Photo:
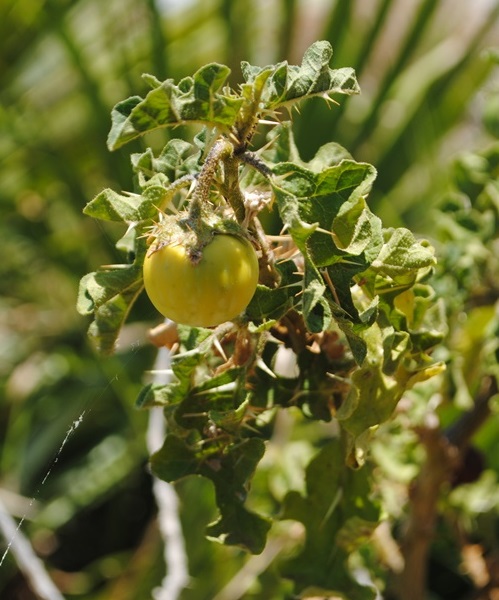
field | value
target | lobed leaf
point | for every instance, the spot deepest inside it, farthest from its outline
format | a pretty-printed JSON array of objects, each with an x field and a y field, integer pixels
[
  {"x": 109, "y": 294},
  {"x": 402, "y": 255},
  {"x": 273, "y": 303},
  {"x": 176, "y": 159},
  {"x": 230, "y": 470},
  {"x": 128, "y": 208},
  {"x": 196, "y": 98},
  {"x": 100, "y": 287},
  {"x": 327, "y": 216},
  {"x": 283, "y": 83},
  {"x": 337, "y": 500}
]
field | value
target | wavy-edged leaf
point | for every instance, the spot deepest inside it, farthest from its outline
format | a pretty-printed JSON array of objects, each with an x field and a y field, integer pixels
[
  {"x": 337, "y": 501},
  {"x": 286, "y": 83},
  {"x": 196, "y": 99},
  {"x": 109, "y": 294},
  {"x": 176, "y": 159},
  {"x": 403, "y": 256},
  {"x": 328, "y": 219},
  {"x": 128, "y": 208},
  {"x": 231, "y": 471},
  {"x": 273, "y": 303}
]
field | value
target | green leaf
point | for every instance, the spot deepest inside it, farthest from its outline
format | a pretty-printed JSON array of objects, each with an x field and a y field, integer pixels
[
  {"x": 316, "y": 308},
  {"x": 312, "y": 205},
  {"x": 179, "y": 391},
  {"x": 98, "y": 288},
  {"x": 238, "y": 526},
  {"x": 196, "y": 99},
  {"x": 202, "y": 410},
  {"x": 402, "y": 255},
  {"x": 373, "y": 395},
  {"x": 357, "y": 230},
  {"x": 230, "y": 470},
  {"x": 121, "y": 129},
  {"x": 328, "y": 155},
  {"x": 128, "y": 208},
  {"x": 284, "y": 84},
  {"x": 395, "y": 346},
  {"x": 153, "y": 395},
  {"x": 110, "y": 317},
  {"x": 109, "y": 294},
  {"x": 281, "y": 146},
  {"x": 183, "y": 367},
  {"x": 175, "y": 460},
  {"x": 371, "y": 401},
  {"x": 326, "y": 207},
  {"x": 273, "y": 303},
  {"x": 337, "y": 501},
  {"x": 177, "y": 158}
]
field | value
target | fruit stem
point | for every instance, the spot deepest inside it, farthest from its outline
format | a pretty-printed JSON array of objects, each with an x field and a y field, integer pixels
[{"x": 221, "y": 150}]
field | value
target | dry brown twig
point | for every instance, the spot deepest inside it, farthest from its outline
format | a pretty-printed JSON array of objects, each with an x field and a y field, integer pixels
[{"x": 444, "y": 452}]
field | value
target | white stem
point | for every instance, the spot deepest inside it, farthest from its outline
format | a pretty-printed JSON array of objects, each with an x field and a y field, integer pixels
[
  {"x": 246, "y": 576},
  {"x": 28, "y": 562},
  {"x": 177, "y": 575}
]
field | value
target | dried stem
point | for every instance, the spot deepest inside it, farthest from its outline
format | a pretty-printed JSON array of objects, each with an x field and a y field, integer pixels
[
  {"x": 28, "y": 562},
  {"x": 444, "y": 449},
  {"x": 177, "y": 576},
  {"x": 420, "y": 527}
]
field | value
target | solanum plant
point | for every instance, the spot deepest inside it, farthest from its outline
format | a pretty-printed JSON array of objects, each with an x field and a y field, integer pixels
[{"x": 343, "y": 301}]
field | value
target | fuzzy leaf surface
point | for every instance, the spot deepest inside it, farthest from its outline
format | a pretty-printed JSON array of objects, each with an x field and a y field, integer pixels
[
  {"x": 197, "y": 98},
  {"x": 127, "y": 208},
  {"x": 336, "y": 499},
  {"x": 109, "y": 294},
  {"x": 328, "y": 219},
  {"x": 230, "y": 471},
  {"x": 284, "y": 83}
]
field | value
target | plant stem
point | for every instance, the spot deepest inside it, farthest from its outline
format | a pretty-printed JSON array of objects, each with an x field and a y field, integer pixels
[
  {"x": 444, "y": 450},
  {"x": 232, "y": 191},
  {"x": 221, "y": 151},
  {"x": 177, "y": 576},
  {"x": 423, "y": 513},
  {"x": 27, "y": 561},
  {"x": 256, "y": 162},
  {"x": 269, "y": 275}
]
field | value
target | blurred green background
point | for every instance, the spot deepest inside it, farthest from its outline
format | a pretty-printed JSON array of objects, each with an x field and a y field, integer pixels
[{"x": 425, "y": 75}]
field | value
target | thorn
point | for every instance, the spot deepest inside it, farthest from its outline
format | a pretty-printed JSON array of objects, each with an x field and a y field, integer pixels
[
  {"x": 330, "y": 284},
  {"x": 218, "y": 346},
  {"x": 328, "y": 99},
  {"x": 261, "y": 364},
  {"x": 267, "y": 122}
]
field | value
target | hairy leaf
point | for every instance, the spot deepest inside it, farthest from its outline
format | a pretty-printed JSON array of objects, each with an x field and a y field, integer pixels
[
  {"x": 128, "y": 208},
  {"x": 312, "y": 204},
  {"x": 230, "y": 470},
  {"x": 273, "y": 303},
  {"x": 196, "y": 98},
  {"x": 178, "y": 158},
  {"x": 402, "y": 255},
  {"x": 337, "y": 499},
  {"x": 109, "y": 294},
  {"x": 283, "y": 84}
]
